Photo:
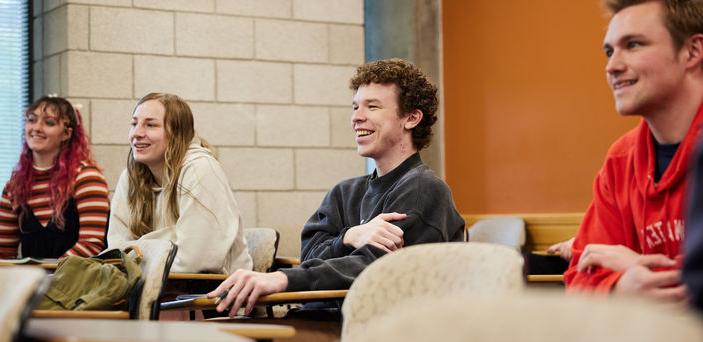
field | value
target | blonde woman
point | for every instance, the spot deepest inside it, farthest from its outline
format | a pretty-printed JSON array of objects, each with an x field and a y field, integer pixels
[{"x": 175, "y": 189}]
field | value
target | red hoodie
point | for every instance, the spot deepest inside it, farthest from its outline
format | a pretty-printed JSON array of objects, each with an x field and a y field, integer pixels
[{"x": 630, "y": 209}]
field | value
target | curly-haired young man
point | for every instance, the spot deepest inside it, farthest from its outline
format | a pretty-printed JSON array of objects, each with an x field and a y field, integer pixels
[
  {"x": 401, "y": 203},
  {"x": 630, "y": 238}
]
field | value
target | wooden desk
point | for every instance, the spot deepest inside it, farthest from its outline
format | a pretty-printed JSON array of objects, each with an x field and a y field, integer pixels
[
  {"x": 541, "y": 229},
  {"x": 91, "y": 314},
  {"x": 545, "y": 278},
  {"x": 46, "y": 266},
  {"x": 276, "y": 298},
  {"x": 79, "y": 330}
]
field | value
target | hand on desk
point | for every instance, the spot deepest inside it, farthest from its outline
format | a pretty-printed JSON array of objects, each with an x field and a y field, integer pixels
[
  {"x": 378, "y": 232},
  {"x": 245, "y": 287},
  {"x": 562, "y": 248}
]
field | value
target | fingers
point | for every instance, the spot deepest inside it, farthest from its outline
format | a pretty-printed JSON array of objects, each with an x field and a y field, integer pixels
[
  {"x": 379, "y": 246},
  {"x": 554, "y": 248},
  {"x": 589, "y": 260},
  {"x": 220, "y": 289},
  {"x": 231, "y": 295},
  {"x": 656, "y": 260},
  {"x": 396, "y": 240},
  {"x": 566, "y": 253},
  {"x": 392, "y": 216},
  {"x": 241, "y": 297},
  {"x": 664, "y": 279},
  {"x": 670, "y": 294},
  {"x": 253, "y": 297},
  {"x": 393, "y": 229}
]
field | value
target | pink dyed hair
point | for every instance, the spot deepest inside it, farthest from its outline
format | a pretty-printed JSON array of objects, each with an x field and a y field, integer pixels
[{"x": 73, "y": 152}]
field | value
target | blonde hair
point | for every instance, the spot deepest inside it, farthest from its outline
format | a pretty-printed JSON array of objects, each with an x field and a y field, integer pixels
[{"x": 180, "y": 131}]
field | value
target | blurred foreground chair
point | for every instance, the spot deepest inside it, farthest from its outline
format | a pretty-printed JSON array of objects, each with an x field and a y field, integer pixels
[
  {"x": 262, "y": 244},
  {"x": 21, "y": 289},
  {"x": 157, "y": 257},
  {"x": 437, "y": 270},
  {"x": 534, "y": 316},
  {"x": 507, "y": 231}
]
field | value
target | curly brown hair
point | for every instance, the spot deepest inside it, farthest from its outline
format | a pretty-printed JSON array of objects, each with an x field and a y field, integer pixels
[
  {"x": 683, "y": 18},
  {"x": 414, "y": 92}
]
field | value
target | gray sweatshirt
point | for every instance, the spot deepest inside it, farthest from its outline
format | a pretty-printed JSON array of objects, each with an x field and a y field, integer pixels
[{"x": 411, "y": 188}]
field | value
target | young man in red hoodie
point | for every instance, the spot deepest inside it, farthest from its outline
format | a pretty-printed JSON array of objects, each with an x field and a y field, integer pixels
[{"x": 630, "y": 238}]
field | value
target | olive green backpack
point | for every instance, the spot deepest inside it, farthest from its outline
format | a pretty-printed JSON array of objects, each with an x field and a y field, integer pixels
[{"x": 103, "y": 282}]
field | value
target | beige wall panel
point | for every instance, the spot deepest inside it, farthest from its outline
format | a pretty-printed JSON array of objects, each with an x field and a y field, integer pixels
[
  {"x": 190, "y": 78},
  {"x": 291, "y": 41},
  {"x": 258, "y": 168},
  {"x": 131, "y": 30},
  {"x": 346, "y": 44},
  {"x": 322, "y": 169},
  {"x": 341, "y": 133},
  {"x": 343, "y": 11},
  {"x": 112, "y": 159},
  {"x": 287, "y": 212},
  {"x": 292, "y": 126},
  {"x": 214, "y": 36},
  {"x": 256, "y": 8},
  {"x": 225, "y": 124},
  {"x": 178, "y": 5},
  {"x": 91, "y": 74},
  {"x": 111, "y": 121},
  {"x": 244, "y": 81},
  {"x": 247, "y": 207},
  {"x": 323, "y": 84},
  {"x": 52, "y": 75}
]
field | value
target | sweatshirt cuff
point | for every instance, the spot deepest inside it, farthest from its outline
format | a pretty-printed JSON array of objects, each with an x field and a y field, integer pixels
[
  {"x": 297, "y": 279},
  {"x": 338, "y": 247}
]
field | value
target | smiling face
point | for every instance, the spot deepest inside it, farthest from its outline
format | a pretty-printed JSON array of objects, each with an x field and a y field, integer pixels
[
  {"x": 381, "y": 133},
  {"x": 45, "y": 131},
  {"x": 644, "y": 69},
  {"x": 147, "y": 135}
]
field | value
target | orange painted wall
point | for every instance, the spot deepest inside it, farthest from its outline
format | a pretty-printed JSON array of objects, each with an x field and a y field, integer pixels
[{"x": 528, "y": 113}]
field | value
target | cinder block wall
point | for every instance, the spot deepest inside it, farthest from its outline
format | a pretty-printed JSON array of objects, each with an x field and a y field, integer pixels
[{"x": 267, "y": 81}]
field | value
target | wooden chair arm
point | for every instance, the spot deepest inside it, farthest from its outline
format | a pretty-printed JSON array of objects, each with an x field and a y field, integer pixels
[
  {"x": 94, "y": 314},
  {"x": 286, "y": 262}
]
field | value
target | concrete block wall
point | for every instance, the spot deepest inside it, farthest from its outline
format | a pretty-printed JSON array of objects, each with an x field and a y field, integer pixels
[{"x": 267, "y": 81}]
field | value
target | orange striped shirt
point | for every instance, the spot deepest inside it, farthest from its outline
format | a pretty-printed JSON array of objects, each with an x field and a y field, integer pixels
[{"x": 91, "y": 197}]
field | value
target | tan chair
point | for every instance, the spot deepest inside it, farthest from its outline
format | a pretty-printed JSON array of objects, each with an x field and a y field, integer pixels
[
  {"x": 21, "y": 288},
  {"x": 507, "y": 231},
  {"x": 535, "y": 317},
  {"x": 157, "y": 257},
  {"x": 262, "y": 244},
  {"x": 429, "y": 270}
]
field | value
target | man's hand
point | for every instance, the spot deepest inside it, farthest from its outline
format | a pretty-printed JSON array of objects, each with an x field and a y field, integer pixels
[
  {"x": 245, "y": 287},
  {"x": 563, "y": 248},
  {"x": 619, "y": 258},
  {"x": 377, "y": 232},
  {"x": 663, "y": 285}
]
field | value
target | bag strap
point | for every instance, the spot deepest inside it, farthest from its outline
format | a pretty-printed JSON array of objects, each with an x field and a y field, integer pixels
[{"x": 135, "y": 249}]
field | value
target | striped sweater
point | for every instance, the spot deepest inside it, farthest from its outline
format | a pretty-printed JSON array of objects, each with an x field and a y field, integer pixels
[{"x": 91, "y": 197}]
